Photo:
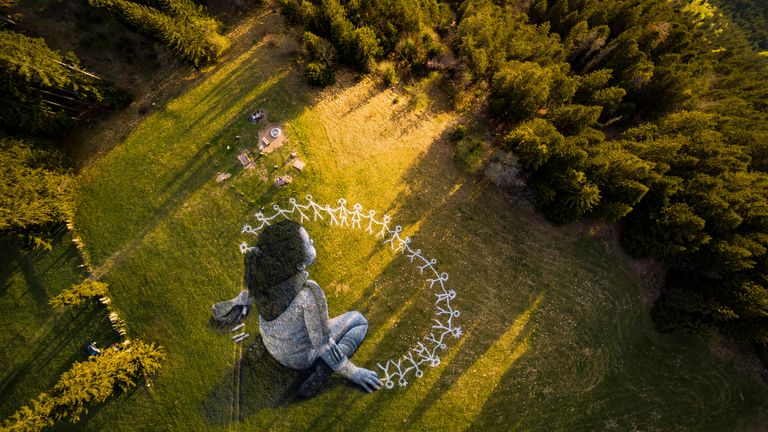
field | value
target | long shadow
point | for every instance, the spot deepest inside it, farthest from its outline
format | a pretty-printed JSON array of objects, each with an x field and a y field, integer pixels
[
  {"x": 196, "y": 172},
  {"x": 379, "y": 305},
  {"x": 94, "y": 409},
  {"x": 263, "y": 385},
  {"x": 70, "y": 257},
  {"x": 273, "y": 387},
  {"x": 245, "y": 73},
  {"x": 61, "y": 338},
  {"x": 9, "y": 264},
  {"x": 14, "y": 257},
  {"x": 36, "y": 288},
  {"x": 237, "y": 85},
  {"x": 432, "y": 164}
]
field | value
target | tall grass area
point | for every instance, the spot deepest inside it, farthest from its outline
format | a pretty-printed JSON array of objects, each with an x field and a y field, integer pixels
[{"x": 557, "y": 334}]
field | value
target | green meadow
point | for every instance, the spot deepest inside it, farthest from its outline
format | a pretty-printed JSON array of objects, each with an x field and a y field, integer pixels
[{"x": 557, "y": 334}]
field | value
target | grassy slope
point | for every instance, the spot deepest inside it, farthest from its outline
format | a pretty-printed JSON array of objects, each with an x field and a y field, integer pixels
[
  {"x": 39, "y": 343},
  {"x": 557, "y": 334}
]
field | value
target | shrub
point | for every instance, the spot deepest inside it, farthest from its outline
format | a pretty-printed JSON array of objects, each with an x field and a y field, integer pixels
[
  {"x": 388, "y": 75},
  {"x": 469, "y": 155},
  {"x": 458, "y": 134},
  {"x": 364, "y": 48},
  {"x": 79, "y": 294},
  {"x": 318, "y": 48},
  {"x": 504, "y": 170},
  {"x": 319, "y": 74}
]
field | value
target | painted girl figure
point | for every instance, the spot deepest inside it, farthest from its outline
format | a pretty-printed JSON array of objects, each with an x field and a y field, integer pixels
[{"x": 293, "y": 312}]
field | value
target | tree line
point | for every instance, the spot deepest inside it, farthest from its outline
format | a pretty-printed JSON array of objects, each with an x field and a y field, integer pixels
[
  {"x": 358, "y": 34},
  {"x": 44, "y": 93},
  {"x": 182, "y": 25},
  {"x": 683, "y": 97},
  {"x": 119, "y": 367},
  {"x": 86, "y": 383},
  {"x": 646, "y": 112}
]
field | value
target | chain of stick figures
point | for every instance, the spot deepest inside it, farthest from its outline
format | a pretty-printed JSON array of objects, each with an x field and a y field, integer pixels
[{"x": 425, "y": 353}]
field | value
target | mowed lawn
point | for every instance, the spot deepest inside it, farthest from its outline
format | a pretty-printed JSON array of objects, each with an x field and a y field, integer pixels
[{"x": 556, "y": 328}]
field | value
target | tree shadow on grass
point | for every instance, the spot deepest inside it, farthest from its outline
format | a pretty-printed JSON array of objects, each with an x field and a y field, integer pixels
[
  {"x": 397, "y": 295},
  {"x": 245, "y": 87},
  {"x": 36, "y": 288},
  {"x": 9, "y": 264},
  {"x": 198, "y": 170},
  {"x": 47, "y": 358},
  {"x": 450, "y": 207},
  {"x": 94, "y": 409},
  {"x": 70, "y": 257}
]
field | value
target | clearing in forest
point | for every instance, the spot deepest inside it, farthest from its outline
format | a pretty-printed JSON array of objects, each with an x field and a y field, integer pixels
[{"x": 556, "y": 332}]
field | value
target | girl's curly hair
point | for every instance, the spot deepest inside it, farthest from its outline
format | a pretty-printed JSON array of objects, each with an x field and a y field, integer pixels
[{"x": 278, "y": 254}]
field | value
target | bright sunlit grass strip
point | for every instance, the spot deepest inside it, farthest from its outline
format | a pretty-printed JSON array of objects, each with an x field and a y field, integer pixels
[{"x": 471, "y": 391}]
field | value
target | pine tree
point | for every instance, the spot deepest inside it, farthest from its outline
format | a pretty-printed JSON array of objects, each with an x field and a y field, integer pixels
[
  {"x": 87, "y": 383},
  {"x": 29, "y": 67},
  {"x": 34, "y": 191},
  {"x": 190, "y": 32},
  {"x": 533, "y": 142},
  {"x": 519, "y": 90},
  {"x": 80, "y": 293}
]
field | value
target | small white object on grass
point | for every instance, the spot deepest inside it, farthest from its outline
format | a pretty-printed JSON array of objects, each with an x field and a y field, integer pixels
[
  {"x": 228, "y": 147},
  {"x": 237, "y": 336},
  {"x": 237, "y": 327},
  {"x": 242, "y": 338}
]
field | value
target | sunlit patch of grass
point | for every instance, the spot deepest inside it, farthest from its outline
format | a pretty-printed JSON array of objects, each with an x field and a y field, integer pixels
[{"x": 471, "y": 391}]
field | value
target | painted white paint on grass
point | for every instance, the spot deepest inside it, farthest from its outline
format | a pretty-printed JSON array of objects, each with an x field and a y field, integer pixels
[{"x": 395, "y": 371}]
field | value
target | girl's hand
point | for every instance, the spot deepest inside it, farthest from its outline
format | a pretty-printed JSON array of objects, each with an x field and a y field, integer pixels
[{"x": 366, "y": 379}]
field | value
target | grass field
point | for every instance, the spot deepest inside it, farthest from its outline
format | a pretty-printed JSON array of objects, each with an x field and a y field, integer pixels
[{"x": 557, "y": 334}]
